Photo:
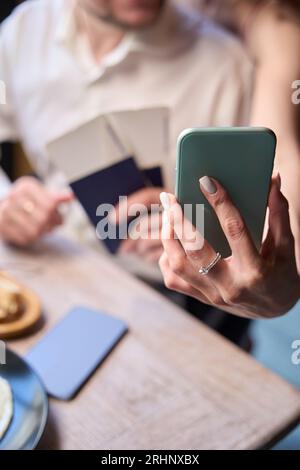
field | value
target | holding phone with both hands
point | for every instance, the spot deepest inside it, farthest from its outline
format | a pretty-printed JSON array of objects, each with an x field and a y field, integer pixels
[{"x": 242, "y": 160}]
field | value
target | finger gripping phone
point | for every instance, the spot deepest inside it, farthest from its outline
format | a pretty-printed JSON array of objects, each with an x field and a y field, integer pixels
[{"x": 242, "y": 160}]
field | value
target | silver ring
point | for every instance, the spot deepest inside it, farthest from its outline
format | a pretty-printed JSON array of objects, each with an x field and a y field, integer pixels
[{"x": 204, "y": 270}]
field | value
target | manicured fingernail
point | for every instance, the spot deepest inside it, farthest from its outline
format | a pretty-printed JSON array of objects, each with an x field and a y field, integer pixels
[
  {"x": 165, "y": 219},
  {"x": 208, "y": 185},
  {"x": 164, "y": 199}
]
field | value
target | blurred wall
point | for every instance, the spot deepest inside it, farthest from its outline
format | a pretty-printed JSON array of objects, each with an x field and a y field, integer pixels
[
  {"x": 6, "y": 149},
  {"x": 13, "y": 159}
]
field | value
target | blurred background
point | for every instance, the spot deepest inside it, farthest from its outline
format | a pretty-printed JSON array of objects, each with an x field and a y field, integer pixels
[{"x": 13, "y": 159}]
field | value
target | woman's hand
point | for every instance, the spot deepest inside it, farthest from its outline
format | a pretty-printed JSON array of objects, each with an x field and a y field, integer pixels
[{"x": 249, "y": 284}]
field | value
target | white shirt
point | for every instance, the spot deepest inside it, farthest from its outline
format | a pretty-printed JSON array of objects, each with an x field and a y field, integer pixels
[{"x": 53, "y": 84}]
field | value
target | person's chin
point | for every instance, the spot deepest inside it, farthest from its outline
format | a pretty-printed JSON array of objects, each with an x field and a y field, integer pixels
[{"x": 139, "y": 20}]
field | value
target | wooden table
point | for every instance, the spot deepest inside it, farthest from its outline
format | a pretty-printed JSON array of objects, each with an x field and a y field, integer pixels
[{"x": 170, "y": 384}]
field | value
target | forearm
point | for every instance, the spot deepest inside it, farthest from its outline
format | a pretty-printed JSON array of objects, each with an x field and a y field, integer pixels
[
  {"x": 289, "y": 170},
  {"x": 273, "y": 108}
]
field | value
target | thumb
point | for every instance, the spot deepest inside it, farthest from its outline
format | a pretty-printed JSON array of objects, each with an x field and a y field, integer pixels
[
  {"x": 62, "y": 197},
  {"x": 144, "y": 197}
]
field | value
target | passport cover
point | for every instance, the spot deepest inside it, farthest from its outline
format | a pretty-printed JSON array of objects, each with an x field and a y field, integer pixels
[{"x": 68, "y": 354}]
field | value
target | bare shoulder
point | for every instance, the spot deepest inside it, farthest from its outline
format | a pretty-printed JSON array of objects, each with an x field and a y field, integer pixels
[{"x": 274, "y": 36}]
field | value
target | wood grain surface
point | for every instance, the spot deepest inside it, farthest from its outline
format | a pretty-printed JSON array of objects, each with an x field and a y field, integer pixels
[{"x": 170, "y": 384}]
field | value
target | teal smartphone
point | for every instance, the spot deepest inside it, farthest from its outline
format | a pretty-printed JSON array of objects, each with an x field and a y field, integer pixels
[{"x": 242, "y": 160}]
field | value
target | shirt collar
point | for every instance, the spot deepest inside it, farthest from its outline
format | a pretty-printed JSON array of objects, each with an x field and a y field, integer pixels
[
  {"x": 66, "y": 27},
  {"x": 170, "y": 32}
]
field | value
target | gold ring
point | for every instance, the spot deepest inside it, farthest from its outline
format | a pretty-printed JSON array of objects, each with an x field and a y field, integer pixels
[{"x": 28, "y": 207}]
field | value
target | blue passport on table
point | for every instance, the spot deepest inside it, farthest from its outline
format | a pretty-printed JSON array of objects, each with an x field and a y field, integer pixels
[{"x": 67, "y": 356}]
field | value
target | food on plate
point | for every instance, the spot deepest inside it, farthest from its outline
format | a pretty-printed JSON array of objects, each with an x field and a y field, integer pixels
[
  {"x": 6, "y": 406},
  {"x": 11, "y": 305}
]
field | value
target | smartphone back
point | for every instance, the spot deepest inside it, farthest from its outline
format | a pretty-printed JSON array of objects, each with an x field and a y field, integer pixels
[{"x": 241, "y": 159}]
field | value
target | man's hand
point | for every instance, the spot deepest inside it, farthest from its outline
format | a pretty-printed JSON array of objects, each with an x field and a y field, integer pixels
[
  {"x": 30, "y": 211},
  {"x": 148, "y": 245},
  {"x": 249, "y": 283}
]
